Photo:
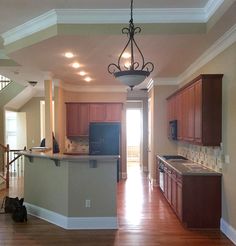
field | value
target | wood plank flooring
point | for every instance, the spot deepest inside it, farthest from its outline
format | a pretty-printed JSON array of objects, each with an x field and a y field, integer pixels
[{"x": 145, "y": 219}]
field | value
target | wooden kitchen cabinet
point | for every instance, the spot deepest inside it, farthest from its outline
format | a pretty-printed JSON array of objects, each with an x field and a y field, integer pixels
[
  {"x": 79, "y": 115},
  {"x": 179, "y": 197},
  {"x": 97, "y": 112},
  {"x": 113, "y": 112},
  {"x": 195, "y": 198},
  {"x": 105, "y": 112},
  {"x": 77, "y": 119},
  {"x": 179, "y": 115},
  {"x": 171, "y": 109},
  {"x": 198, "y": 110},
  {"x": 174, "y": 191},
  {"x": 189, "y": 113},
  {"x": 72, "y": 116}
]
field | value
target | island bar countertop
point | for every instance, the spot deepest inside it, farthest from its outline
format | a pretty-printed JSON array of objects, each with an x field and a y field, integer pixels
[{"x": 68, "y": 157}]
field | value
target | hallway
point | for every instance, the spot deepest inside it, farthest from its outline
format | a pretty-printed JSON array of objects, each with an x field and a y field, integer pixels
[{"x": 145, "y": 219}]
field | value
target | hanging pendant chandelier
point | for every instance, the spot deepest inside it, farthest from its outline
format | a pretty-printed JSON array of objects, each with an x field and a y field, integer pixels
[{"x": 137, "y": 70}]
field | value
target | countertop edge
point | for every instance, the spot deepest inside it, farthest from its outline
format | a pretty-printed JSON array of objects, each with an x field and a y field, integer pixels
[{"x": 62, "y": 157}]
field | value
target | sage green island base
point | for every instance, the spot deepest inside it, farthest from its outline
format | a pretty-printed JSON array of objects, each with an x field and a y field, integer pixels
[{"x": 74, "y": 192}]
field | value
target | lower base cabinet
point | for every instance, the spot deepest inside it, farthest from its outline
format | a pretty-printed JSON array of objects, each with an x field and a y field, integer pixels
[{"x": 196, "y": 199}]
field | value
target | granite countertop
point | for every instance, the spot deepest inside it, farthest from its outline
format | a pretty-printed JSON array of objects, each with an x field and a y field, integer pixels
[
  {"x": 188, "y": 167},
  {"x": 66, "y": 157}
]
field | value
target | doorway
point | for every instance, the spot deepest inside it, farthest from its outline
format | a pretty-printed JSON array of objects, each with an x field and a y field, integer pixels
[{"x": 134, "y": 135}]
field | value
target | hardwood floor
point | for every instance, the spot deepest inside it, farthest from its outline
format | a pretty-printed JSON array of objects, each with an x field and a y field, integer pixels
[{"x": 145, "y": 219}]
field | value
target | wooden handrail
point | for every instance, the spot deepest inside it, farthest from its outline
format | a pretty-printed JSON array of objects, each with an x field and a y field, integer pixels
[
  {"x": 3, "y": 147},
  {"x": 8, "y": 162}
]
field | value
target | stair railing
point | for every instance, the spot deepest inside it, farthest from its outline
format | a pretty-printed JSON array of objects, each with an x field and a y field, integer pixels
[
  {"x": 4, "y": 82},
  {"x": 7, "y": 161}
]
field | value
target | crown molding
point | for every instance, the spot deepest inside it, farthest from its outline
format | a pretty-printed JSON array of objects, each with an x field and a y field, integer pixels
[
  {"x": 165, "y": 81},
  {"x": 89, "y": 88},
  {"x": 211, "y": 7},
  {"x": 219, "y": 46},
  {"x": 110, "y": 16},
  {"x": 30, "y": 27},
  {"x": 122, "y": 16},
  {"x": 150, "y": 84}
]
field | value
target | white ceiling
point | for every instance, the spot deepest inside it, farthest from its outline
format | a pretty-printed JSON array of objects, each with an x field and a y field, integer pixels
[{"x": 171, "y": 47}]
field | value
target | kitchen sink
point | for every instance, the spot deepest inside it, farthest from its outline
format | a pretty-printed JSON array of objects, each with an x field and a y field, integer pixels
[
  {"x": 174, "y": 157},
  {"x": 179, "y": 161}
]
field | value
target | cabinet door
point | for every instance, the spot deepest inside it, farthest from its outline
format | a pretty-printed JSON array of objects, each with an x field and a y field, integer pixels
[
  {"x": 97, "y": 112},
  {"x": 179, "y": 198},
  {"x": 169, "y": 190},
  {"x": 198, "y": 112},
  {"x": 184, "y": 115},
  {"x": 190, "y": 113},
  {"x": 83, "y": 119},
  {"x": 173, "y": 191},
  {"x": 72, "y": 116},
  {"x": 179, "y": 115},
  {"x": 113, "y": 112},
  {"x": 171, "y": 109}
]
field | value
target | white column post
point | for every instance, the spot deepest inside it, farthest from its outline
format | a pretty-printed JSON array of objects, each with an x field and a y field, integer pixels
[{"x": 48, "y": 110}]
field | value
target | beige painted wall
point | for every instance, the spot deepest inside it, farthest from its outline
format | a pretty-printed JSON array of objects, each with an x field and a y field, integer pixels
[
  {"x": 160, "y": 143},
  {"x": 64, "y": 189},
  {"x": 225, "y": 63}
]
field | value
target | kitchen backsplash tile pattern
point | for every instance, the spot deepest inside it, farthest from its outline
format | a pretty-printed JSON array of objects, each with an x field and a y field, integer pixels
[
  {"x": 211, "y": 157},
  {"x": 77, "y": 145}
]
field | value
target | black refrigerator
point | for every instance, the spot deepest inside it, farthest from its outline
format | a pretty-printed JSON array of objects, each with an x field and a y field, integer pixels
[{"x": 104, "y": 139}]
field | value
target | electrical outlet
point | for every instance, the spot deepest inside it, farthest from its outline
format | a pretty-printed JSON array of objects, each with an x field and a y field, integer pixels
[{"x": 87, "y": 203}]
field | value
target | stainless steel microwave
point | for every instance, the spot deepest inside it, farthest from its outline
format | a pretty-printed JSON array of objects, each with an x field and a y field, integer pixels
[{"x": 173, "y": 130}]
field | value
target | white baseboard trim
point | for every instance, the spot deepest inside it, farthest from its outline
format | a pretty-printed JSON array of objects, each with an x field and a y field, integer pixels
[
  {"x": 82, "y": 223},
  {"x": 228, "y": 230}
]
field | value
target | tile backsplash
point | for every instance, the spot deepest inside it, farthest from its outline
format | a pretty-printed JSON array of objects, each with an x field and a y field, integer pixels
[
  {"x": 77, "y": 145},
  {"x": 211, "y": 157}
]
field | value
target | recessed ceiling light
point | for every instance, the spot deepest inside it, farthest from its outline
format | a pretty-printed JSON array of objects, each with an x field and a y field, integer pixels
[
  {"x": 69, "y": 55},
  {"x": 87, "y": 79},
  {"x": 75, "y": 65},
  {"x": 82, "y": 73},
  {"x": 126, "y": 55}
]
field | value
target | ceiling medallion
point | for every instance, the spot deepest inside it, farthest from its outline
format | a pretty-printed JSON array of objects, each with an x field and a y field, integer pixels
[{"x": 136, "y": 72}]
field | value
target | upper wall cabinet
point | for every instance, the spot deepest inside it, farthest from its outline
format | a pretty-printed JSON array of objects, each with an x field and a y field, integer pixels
[
  {"x": 197, "y": 107},
  {"x": 77, "y": 119},
  {"x": 79, "y": 115},
  {"x": 105, "y": 112}
]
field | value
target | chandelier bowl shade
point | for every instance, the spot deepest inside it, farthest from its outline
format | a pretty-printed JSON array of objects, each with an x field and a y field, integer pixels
[{"x": 131, "y": 78}]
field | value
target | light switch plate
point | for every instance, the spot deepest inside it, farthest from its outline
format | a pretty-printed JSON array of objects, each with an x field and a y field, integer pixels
[{"x": 227, "y": 159}]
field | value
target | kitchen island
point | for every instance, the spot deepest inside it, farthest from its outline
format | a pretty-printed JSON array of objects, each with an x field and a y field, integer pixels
[{"x": 71, "y": 191}]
